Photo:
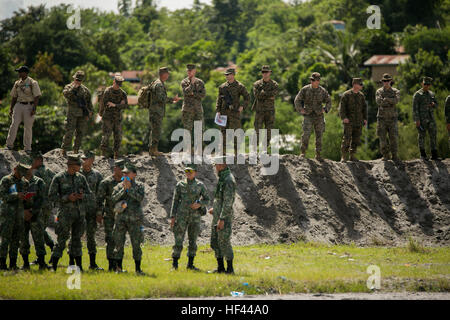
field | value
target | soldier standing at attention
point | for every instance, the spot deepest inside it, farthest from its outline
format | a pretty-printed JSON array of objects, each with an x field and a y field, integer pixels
[
  {"x": 424, "y": 103},
  {"x": 222, "y": 212},
  {"x": 309, "y": 103},
  {"x": 193, "y": 91},
  {"x": 105, "y": 207},
  {"x": 228, "y": 103},
  {"x": 70, "y": 190},
  {"x": 25, "y": 97},
  {"x": 157, "y": 109},
  {"x": 353, "y": 112},
  {"x": 13, "y": 188},
  {"x": 127, "y": 197},
  {"x": 265, "y": 90},
  {"x": 386, "y": 98},
  {"x": 79, "y": 110},
  {"x": 113, "y": 102},
  {"x": 33, "y": 204},
  {"x": 189, "y": 203}
]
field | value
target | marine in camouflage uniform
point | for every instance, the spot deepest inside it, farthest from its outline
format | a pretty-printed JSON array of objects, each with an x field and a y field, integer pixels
[
  {"x": 33, "y": 220},
  {"x": 193, "y": 91},
  {"x": 424, "y": 103},
  {"x": 76, "y": 95},
  {"x": 105, "y": 207},
  {"x": 222, "y": 211},
  {"x": 265, "y": 90},
  {"x": 12, "y": 192},
  {"x": 228, "y": 103},
  {"x": 309, "y": 103},
  {"x": 130, "y": 218},
  {"x": 190, "y": 199},
  {"x": 447, "y": 117},
  {"x": 353, "y": 112},
  {"x": 157, "y": 109},
  {"x": 70, "y": 191},
  {"x": 386, "y": 98},
  {"x": 114, "y": 101}
]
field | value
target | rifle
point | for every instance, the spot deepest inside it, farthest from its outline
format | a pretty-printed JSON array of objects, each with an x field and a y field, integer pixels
[
  {"x": 228, "y": 99},
  {"x": 82, "y": 104}
]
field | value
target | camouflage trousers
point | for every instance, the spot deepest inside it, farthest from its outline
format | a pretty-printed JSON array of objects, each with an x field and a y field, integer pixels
[
  {"x": 233, "y": 122},
  {"x": 71, "y": 224},
  {"x": 351, "y": 138},
  {"x": 188, "y": 118},
  {"x": 155, "y": 128},
  {"x": 108, "y": 222},
  {"x": 310, "y": 122},
  {"x": 221, "y": 240},
  {"x": 91, "y": 228},
  {"x": 430, "y": 127},
  {"x": 267, "y": 119},
  {"x": 189, "y": 222},
  {"x": 385, "y": 128},
  {"x": 77, "y": 125},
  {"x": 131, "y": 224},
  {"x": 11, "y": 233},
  {"x": 45, "y": 214},
  {"x": 109, "y": 127},
  {"x": 36, "y": 226}
]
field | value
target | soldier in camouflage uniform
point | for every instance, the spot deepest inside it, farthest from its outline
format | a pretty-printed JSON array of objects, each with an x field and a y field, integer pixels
[
  {"x": 190, "y": 199},
  {"x": 447, "y": 117},
  {"x": 222, "y": 211},
  {"x": 386, "y": 98},
  {"x": 193, "y": 91},
  {"x": 158, "y": 109},
  {"x": 424, "y": 103},
  {"x": 127, "y": 198},
  {"x": 228, "y": 103},
  {"x": 33, "y": 205},
  {"x": 114, "y": 100},
  {"x": 105, "y": 207},
  {"x": 70, "y": 191},
  {"x": 79, "y": 110},
  {"x": 353, "y": 112},
  {"x": 265, "y": 90},
  {"x": 309, "y": 103},
  {"x": 93, "y": 178},
  {"x": 13, "y": 188}
]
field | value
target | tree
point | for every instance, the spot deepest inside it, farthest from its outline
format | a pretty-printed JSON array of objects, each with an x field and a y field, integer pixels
[{"x": 124, "y": 7}]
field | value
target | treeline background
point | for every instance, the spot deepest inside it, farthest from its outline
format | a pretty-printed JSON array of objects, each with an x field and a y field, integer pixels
[{"x": 294, "y": 38}]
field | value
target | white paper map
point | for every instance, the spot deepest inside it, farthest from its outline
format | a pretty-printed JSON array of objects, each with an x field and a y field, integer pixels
[{"x": 221, "y": 120}]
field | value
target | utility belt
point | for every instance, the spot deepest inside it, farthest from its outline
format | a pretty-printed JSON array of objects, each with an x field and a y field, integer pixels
[{"x": 30, "y": 102}]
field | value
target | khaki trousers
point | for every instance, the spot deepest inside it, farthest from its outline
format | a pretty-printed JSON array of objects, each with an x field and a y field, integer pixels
[{"x": 21, "y": 113}]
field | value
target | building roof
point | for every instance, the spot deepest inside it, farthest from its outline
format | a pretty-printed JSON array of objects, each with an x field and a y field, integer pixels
[
  {"x": 386, "y": 60},
  {"x": 129, "y": 75}
]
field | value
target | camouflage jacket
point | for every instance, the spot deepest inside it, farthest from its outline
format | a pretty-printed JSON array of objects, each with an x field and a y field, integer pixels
[
  {"x": 47, "y": 175},
  {"x": 72, "y": 95},
  {"x": 133, "y": 198},
  {"x": 235, "y": 91},
  {"x": 311, "y": 100},
  {"x": 386, "y": 101},
  {"x": 93, "y": 178},
  {"x": 353, "y": 106},
  {"x": 421, "y": 105},
  {"x": 186, "y": 193},
  {"x": 265, "y": 93},
  {"x": 63, "y": 185},
  {"x": 193, "y": 94},
  {"x": 224, "y": 195},
  {"x": 36, "y": 202},
  {"x": 447, "y": 109},
  {"x": 10, "y": 202},
  {"x": 116, "y": 97},
  {"x": 104, "y": 194},
  {"x": 159, "y": 98}
]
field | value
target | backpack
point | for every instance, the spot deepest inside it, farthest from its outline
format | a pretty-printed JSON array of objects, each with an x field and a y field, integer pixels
[{"x": 145, "y": 96}]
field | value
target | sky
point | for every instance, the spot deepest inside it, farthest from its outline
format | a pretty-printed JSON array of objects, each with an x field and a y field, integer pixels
[{"x": 7, "y": 7}]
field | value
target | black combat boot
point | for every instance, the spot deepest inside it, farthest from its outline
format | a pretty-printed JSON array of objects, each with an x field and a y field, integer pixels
[
  {"x": 175, "y": 263},
  {"x": 111, "y": 265},
  {"x": 13, "y": 263},
  {"x": 119, "y": 267},
  {"x": 78, "y": 262},
  {"x": 190, "y": 265},
  {"x": 423, "y": 154},
  {"x": 54, "y": 263},
  {"x": 3, "y": 264},
  {"x": 230, "y": 269},
  {"x": 93, "y": 265},
  {"x": 139, "y": 272},
  {"x": 41, "y": 262},
  {"x": 26, "y": 263},
  {"x": 434, "y": 155},
  {"x": 71, "y": 260},
  {"x": 220, "y": 266}
]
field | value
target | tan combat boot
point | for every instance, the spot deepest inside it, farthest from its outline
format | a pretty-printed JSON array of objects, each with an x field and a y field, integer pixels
[
  {"x": 63, "y": 153},
  {"x": 116, "y": 154},
  {"x": 352, "y": 156},
  {"x": 154, "y": 151},
  {"x": 344, "y": 157}
]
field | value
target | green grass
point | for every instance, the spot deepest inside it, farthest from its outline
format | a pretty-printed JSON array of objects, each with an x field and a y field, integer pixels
[{"x": 291, "y": 268}]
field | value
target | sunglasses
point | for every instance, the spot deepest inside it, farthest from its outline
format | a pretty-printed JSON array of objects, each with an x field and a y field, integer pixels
[
  {"x": 386, "y": 80},
  {"x": 189, "y": 171},
  {"x": 265, "y": 71}
]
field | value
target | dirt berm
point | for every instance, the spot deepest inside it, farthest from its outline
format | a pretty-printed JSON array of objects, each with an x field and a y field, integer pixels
[{"x": 365, "y": 202}]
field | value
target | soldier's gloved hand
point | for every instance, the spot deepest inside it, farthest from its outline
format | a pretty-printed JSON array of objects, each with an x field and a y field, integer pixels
[{"x": 210, "y": 211}]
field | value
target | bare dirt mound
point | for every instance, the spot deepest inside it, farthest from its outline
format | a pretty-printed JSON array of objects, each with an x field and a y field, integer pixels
[{"x": 365, "y": 202}]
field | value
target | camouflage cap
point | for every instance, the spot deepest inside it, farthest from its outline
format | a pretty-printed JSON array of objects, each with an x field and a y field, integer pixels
[
  {"x": 190, "y": 166},
  {"x": 129, "y": 167},
  {"x": 315, "y": 76},
  {"x": 427, "y": 80},
  {"x": 118, "y": 77},
  {"x": 79, "y": 75},
  {"x": 163, "y": 70},
  {"x": 357, "y": 81},
  {"x": 265, "y": 68},
  {"x": 36, "y": 155},
  {"x": 386, "y": 77},
  {"x": 23, "y": 69},
  {"x": 73, "y": 159},
  {"x": 230, "y": 71},
  {"x": 119, "y": 163},
  {"x": 191, "y": 66},
  {"x": 88, "y": 154},
  {"x": 24, "y": 164}
]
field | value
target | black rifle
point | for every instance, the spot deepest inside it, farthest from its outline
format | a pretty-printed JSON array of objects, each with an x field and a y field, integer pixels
[{"x": 82, "y": 104}]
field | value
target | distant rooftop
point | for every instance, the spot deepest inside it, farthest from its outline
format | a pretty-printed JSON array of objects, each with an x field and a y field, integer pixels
[
  {"x": 386, "y": 60},
  {"x": 129, "y": 75}
]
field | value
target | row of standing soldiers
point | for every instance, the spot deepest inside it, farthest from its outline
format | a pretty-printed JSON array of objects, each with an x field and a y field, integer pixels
[{"x": 84, "y": 198}]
